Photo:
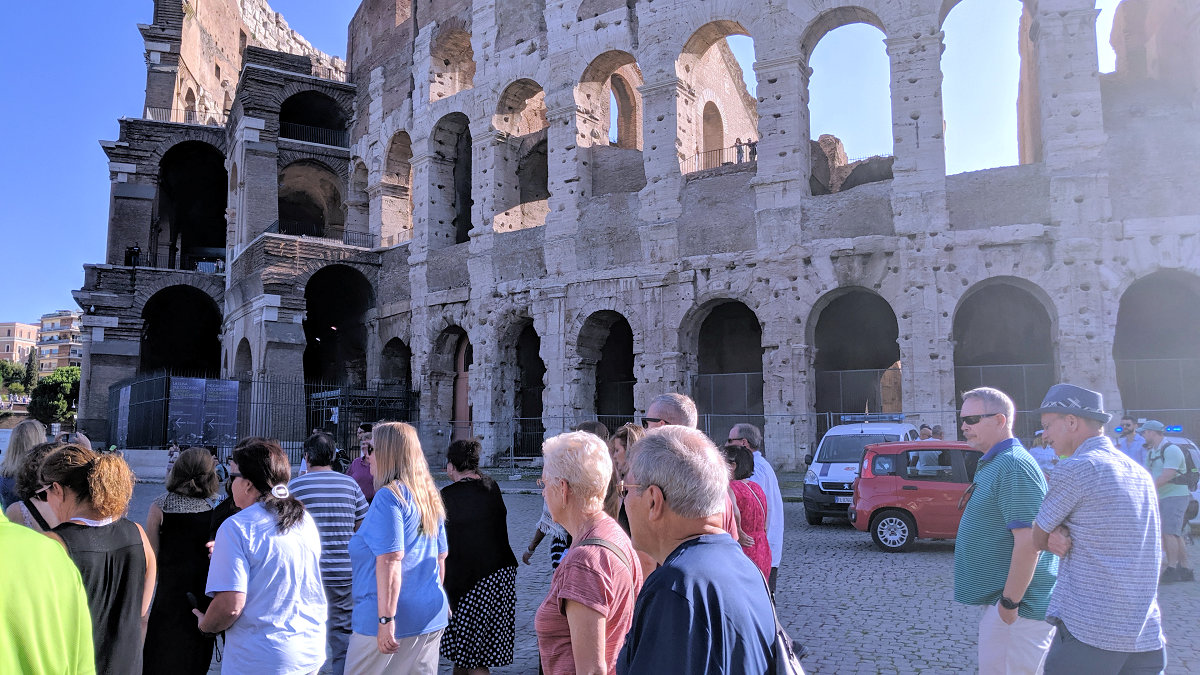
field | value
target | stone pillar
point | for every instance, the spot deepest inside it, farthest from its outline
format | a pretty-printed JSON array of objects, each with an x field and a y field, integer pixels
[
  {"x": 549, "y": 312},
  {"x": 426, "y": 213},
  {"x": 569, "y": 181},
  {"x": 660, "y": 199},
  {"x": 919, "y": 169},
  {"x": 258, "y": 179},
  {"x": 131, "y": 213},
  {"x": 783, "y": 127},
  {"x": 786, "y": 428},
  {"x": 1072, "y": 114}
]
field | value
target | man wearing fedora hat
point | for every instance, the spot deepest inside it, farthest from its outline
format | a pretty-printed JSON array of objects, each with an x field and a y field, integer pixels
[
  {"x": 1100, "y": 516},
  {"x": 1165, "y": 461}
]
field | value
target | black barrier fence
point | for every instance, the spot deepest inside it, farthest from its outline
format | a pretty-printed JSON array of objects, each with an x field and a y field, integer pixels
[{"x": 154, "y": 410}]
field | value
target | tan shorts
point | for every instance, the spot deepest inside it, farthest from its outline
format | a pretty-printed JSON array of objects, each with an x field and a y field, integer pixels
[{"x": 417, "y": 655}]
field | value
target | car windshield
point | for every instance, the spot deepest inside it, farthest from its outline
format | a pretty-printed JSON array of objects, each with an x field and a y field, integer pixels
[{"x": 849, "y": 448}]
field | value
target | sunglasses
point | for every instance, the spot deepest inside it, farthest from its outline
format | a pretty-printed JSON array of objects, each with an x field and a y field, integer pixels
[
  {"x": 233, "y": 475},
  {"x": 42, "y": 493},
  {"x": 647, "y": 421},
  {"x": 972, "y": 420},
  {"x": 623, "y": 488}
]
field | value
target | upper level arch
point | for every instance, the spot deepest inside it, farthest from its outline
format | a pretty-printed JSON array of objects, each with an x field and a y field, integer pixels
[
  {"x": 716, "y": 106},
  {"x": 189, "y": 226},
  {"x": 833, "y": 19},
  {"x": 521, "y": 169},
  {"x": 451, "y": 62},
  {"x": 607, "y": 97},
  {"x": 314, "y": 117}
]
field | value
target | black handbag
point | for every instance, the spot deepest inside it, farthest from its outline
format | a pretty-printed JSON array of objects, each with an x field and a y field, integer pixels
[{"x": 786, "y": 657}]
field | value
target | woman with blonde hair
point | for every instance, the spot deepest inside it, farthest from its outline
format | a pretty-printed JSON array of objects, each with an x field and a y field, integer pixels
[
  {"x": 398, "y": 556},
  {"x": 618, "y": 448},
  {"x": 89, "y": 494},
  {"x": 26, "y": 435},
  {"x": 31, "y": 508},
  {"x": 582, "y": 623}
]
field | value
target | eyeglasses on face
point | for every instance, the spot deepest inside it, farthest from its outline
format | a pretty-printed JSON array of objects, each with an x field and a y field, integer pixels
[
  {"x": 647, "y": 421},
  {"x": 42, "y": 493},
  {"x": 972, "y": 420},
  {"x": 233, "y": 475},
  {"x": 734, "y": 440},
  {"x": 623, "y": 488}
]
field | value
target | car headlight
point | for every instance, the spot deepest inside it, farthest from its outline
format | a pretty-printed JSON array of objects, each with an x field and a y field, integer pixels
[{"x": 810, "y": 478}]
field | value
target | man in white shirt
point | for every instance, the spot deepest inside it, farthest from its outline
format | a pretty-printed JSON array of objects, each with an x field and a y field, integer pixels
[
  {"x": 750, "y": 436},
  {"x": 1130, "y": 442}
]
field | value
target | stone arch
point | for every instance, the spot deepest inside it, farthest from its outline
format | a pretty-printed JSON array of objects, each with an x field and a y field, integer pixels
[
  {"x": 314, "y": 117},
  {"x": 611, "y": 77},
  {"x": 854, "y": 337},
  {"x": 605, "y": 345},
  {"x": 450, "y": 181},
  {"x": 358, "y": 207},
  {"x": 213, "y": 287},
  {"x": 706, "y": 66},
  {"x": 310, "y": 200},
  {"x": 343, "y": 99},
  {"x": 728, "y": 382},
  {"x": 189, "y": 227},
  {"x": 339, "y": 169},
  {"x": 243, "y": 361},
  {"x": 521, "y": 169},
  {"x": 449, "y": 387},
  {"x": 713, "y": 133},
  {"x": 833, "y": 19},
  {"x": 213, "y": 137},
  {"x": 395, "y": 364},
  {"x": 1155, "y": 349},
  {"x": 451, "y": 63},
  {"x": 181, "y": 329},
  {"x": 337, "y": 300},
  {"x": 396, "y": 206},
  {"x": 987, "y": 317}
]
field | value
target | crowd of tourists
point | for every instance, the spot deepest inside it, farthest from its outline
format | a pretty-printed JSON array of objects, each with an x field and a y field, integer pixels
[{"x": 665, "y": 553}]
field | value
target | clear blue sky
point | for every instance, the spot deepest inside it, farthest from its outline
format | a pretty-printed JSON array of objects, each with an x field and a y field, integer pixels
[{"x": 72, "y": 70}]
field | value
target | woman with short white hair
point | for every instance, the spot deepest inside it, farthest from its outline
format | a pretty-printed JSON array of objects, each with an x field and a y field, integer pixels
[{"x": 582, "y": 623}]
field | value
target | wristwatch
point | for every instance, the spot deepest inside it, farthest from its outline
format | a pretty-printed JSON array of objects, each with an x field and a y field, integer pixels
[
  {"x": 383, "y": 620},
  {"x": 1004, "y": 602}
]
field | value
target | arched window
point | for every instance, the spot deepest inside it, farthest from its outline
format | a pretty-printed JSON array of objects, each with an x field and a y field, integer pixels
[
  {"x": 729, "y": 385},
  {"x": 452, "y": 63},
  {"x": 313, "y": 117},
  {"x": 310, "y": 200},
  {"x": 724, "y": 109},
  {"x": 190, "y": 229},
  {"x": 181, "y": 327},
  {"x": 450, "y": 182},
  {"x": 521, "y": 167}
]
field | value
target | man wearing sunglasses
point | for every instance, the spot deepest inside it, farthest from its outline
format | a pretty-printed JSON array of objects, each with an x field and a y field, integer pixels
[{"x": 996, "y": 563}]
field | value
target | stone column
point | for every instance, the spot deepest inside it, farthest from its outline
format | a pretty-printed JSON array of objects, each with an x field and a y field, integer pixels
[
  {"x": 783, "y": 127},
  {"x": 919, "y": 169},
  {"x": 258, "y": 179},
  {"x": 548, "y": 309},
  {"x": 131, "y": 213},
  {"x": 569, "y": 181},
  {"x": 660, "y": 201}
]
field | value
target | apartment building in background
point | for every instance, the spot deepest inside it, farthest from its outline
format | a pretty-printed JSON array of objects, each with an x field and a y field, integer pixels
[
  {"x": 17, "y": 340},
  {"x": 58, "y": 342}
]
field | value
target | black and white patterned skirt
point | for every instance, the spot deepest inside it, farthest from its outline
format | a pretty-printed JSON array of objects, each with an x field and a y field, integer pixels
[{"x": 480, "y": 634}]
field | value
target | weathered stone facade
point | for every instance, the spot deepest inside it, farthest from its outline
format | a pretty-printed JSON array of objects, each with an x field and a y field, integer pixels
[{"x": 469, "y": 242}]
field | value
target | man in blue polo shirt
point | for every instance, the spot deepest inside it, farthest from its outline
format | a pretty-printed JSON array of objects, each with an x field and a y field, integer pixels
[{"x": 996, "y": 564}]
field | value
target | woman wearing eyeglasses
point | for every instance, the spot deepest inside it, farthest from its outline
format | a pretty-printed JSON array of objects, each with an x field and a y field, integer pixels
[
  {"x": 265, "y": 575},
  {"x": 89, "y": 494},
  {"x": 398, "y": 555},
  {"x": 582, "y": 623},
  {"x": 31, "y": 508}
]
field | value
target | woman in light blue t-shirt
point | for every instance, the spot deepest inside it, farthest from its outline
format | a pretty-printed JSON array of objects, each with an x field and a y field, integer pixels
[
  {"x": 398, "y": 556},
  {"x": 265, "y": 573}
]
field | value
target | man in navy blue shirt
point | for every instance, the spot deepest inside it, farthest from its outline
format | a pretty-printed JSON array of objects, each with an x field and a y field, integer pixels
[{"x": 706, "y": 609}]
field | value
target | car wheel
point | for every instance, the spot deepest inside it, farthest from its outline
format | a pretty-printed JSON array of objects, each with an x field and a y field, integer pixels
[
  {"x": 893, "y": 531},
  {"x": 813, "y": 519}
]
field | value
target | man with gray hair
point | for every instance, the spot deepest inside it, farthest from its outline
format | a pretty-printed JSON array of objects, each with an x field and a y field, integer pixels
[
  {"x": 996, "y": 564},
  {"x": 671, "y": 409},
  {"x": 706, "y": 609},
  {"x": 749, "y": 436}
]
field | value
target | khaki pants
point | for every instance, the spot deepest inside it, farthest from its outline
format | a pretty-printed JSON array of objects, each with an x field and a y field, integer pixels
[
  {"x": 417, "y": 655},
  {"x": 1009, "y": 650}
]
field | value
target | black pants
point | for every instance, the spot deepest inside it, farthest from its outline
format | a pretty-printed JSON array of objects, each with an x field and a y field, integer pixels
[{"x": 1068, "y": 655}]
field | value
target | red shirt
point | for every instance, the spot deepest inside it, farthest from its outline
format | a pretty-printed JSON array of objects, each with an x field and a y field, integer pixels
[{"x": 596, "y": 578}]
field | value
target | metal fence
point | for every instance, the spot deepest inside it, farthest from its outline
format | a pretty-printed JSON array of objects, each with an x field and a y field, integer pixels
[
  {"x": 711, "y": 159},
  {"x": 184, "y": 116},
  {"x": 338, "y": 138},
  {"x": 296, "y": 228}
]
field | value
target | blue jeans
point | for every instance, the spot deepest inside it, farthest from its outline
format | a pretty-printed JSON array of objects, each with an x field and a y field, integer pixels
[
  {"x": 1068, "y": 655},
  {"x": 341, "y": 605}
]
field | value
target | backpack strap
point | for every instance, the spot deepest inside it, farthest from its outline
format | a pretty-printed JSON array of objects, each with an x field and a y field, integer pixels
[{"x": 598, "y": 541}]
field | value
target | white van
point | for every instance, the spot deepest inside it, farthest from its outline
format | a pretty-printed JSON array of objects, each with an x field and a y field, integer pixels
[{"x": 829, "y": 483}]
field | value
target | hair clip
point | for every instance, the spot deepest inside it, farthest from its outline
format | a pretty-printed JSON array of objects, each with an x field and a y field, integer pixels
[{"x": 281, "y": 491}]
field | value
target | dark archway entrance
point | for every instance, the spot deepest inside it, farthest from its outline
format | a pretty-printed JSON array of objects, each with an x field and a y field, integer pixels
[
  {"x": 606, "y": 358},
  {"x": 190, "y": 229},
  {"x": 243, "y": 361},
  {"x": 335, "y": 326},
  {"x": 729, "y": 386},
  {"x": 181, "y": 333},
  {"x": 1157, "y": 349},
  {"x": 529, "y": 429},
  {"x": 395, "y": 366},
  {"x": 857, "y": 358},
  {"x": 1003, "y": 339}
]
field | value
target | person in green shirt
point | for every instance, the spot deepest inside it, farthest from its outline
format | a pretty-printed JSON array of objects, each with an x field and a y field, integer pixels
[
  {"x": 1165, "y": 461},
  {"x": 45, "y": 625}
]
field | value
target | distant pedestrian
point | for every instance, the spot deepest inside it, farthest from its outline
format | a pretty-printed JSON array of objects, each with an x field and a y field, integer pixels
[
  {"x": 996, "y": 564},
  {"x": 1100, "y": 516},
  {"x": 338, "y": 507},
  {"x": 750, "y": 436},
  {"x": 360, "y": 468},
  {"x": 740, "y": 151},
  {"x": 937, "y": 432},
  {"x": 753, "y": 146},
  {"x": 173, "y": 453},
  {"x": 1168, "y": 467},
  {"x": 707, "y": 608},
  {"x": 1129, "y": 441},
  {"x": 925, "y": 432}
]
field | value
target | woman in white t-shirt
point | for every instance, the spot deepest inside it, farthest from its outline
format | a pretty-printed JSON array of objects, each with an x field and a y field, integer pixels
[{"x": 265, "y": 577}]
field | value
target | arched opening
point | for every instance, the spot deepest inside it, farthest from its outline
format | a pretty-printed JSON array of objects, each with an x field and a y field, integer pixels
[
  {"x": 189, "y": 232},
  {"x": 310, "y": 200},
  {"x": 450, "y": 182},
  {"x": 987, "y": 355},
  {"x": 460, "y": 412},
  {"x": 1156, "y": 349},
  {"x": 522, "y": 172},
  {"x": 451, "y": 64},
  {"x": 190, "y": 113},
  {"x": 857, "y": 359},
  {"x": 336, "y": 300},
  {"x": 313, "y": 117},
  {"x": 395, "y": 364},
  {"x": 708, "y": 66},
  {"x": 981, "y": 45},
  {"x": 357, "y": 205},
  {"x": 606, "y": 368},
  {"x": 729, "y": 386},
  {"x": 851, "y": 126},
  {"x": 243, "y": 361},
  {"x": 181, "y": 329},
  {"x": 607, "y": 94},
  {"x": 396, "y": 202},
  {"x": 529, "y": 430}
]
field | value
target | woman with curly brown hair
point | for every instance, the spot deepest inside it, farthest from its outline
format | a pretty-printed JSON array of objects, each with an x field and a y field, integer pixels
[
  {"x": 31, "y": 508},
  {"x": 178, "y": 528},
  {"x": 89, "y": 493}
]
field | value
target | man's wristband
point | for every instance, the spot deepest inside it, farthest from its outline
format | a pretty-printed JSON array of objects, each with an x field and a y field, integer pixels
[{"x": 1009, "y": 604}]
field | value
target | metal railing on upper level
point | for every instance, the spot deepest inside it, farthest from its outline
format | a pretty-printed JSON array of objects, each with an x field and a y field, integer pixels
[
  {"x": 338, "y": 138},
  {"x": 183, "y": 116},
  {"x": 711, "y": 159},
  {"x": 347, "y": 237}
]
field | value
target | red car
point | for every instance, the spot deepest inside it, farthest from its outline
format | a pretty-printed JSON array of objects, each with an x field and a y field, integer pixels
[{"x": 912, "y": 489}]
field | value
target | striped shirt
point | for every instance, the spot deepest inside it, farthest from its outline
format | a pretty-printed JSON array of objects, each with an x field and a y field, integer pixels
[
  {"x": 1009, "y": 487},
  {"x": 1107, "y": 591},
  {"x": 335, "y": 503}
]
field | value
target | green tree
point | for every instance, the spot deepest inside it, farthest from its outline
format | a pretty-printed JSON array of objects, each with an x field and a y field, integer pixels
[
  {"x": 11, "y": 372},
  {"x": 16, "y": 388},
  {"x": 30, "y": 370},
  {"x": 55, "y": 395}
]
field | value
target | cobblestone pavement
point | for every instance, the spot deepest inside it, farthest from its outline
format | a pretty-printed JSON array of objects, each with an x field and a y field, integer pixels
[{"x": 857, "y": 609}]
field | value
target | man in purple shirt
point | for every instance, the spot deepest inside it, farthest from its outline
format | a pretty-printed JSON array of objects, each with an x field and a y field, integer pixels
[{"x": 360, "y": 468}]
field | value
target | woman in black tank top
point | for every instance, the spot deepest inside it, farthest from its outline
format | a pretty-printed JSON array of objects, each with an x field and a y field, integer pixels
[{"x": 90, "y": 493}]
